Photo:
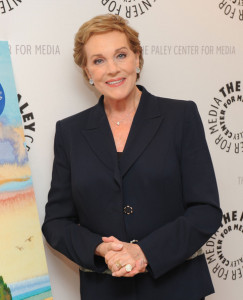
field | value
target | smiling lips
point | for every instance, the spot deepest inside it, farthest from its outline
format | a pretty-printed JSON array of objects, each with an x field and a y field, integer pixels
[{"x": 115, "y": 82}]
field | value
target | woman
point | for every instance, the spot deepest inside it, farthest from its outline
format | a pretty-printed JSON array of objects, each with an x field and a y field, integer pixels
[{"x": 133, "y": 194}]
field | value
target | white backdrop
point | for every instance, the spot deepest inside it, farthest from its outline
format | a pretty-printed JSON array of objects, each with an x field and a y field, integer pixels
[{"x": 191, "y": 50}]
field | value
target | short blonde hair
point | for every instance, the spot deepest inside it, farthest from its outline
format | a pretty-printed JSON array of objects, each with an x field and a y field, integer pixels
[{"x": 103, "y": 24}]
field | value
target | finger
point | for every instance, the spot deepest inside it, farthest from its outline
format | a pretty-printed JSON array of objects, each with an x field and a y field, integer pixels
[
  {"x": 107, "y": 239},
  {"x": 135, "y": 270},
  {"x": 112, "y": 257},
  {"x": 118, "y": 261},
  {"x": 123, "y": 271},
  {"x": 121, "y": 256},
  {"x": 115, "y": 244},
  {"x": 116, "y": 253},
  {"x": 139, "y": 267},
  {"x": 113, "y": 247},
  {"x": 109, "y": 256},
  {"x": 132, "y": 273},
  {"x": 116, "y": 266}
]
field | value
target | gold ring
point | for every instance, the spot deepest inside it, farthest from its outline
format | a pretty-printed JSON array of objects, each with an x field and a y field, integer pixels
[
  {"x": 118, "y": 265},
  {"x": 128, "y": 268}
]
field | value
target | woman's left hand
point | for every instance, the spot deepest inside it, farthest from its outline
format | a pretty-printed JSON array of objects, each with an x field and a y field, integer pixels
[{"x": 129, "y": 254}]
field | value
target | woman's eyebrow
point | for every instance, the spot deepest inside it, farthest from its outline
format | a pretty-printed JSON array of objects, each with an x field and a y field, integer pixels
[{"x": 117, "y": 50}]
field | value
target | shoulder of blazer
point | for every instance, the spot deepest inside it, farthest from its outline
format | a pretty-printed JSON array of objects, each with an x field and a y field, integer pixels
[
  {"x": 80, "y": 119},
  {"x": 171, "y": 106},
  {"x": 165, "y": 100},
  {"x": 90, "y": 117}
]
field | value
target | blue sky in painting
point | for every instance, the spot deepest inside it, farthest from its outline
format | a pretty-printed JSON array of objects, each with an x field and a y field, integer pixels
[{"x": 11, "y": 114}]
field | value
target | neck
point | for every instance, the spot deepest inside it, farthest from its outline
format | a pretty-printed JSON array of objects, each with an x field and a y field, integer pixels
[{"x": 121, "y": 106}]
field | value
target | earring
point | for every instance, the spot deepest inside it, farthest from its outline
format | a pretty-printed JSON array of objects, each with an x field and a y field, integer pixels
[
  {"x": 91, "y": 81},
  {"x": 137, "y": 70}
]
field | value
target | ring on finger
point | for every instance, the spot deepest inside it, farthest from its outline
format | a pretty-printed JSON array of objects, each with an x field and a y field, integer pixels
[
  {"x": 118, "y": 264},
  {"x": 128, "y": 268}
]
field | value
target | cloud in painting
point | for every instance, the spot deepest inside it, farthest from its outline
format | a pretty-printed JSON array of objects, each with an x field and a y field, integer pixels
[{"x": 12, "y": 149}]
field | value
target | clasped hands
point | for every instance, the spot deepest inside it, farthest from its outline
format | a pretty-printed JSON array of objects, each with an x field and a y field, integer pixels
[{"x": 118, "y": 254}]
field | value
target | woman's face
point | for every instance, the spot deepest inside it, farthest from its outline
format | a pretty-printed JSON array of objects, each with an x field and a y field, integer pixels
[{"x": 112, "y": 65}]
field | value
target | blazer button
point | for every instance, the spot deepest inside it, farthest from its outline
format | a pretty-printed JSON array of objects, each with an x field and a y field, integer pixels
[{"x": 128, "y": 210}]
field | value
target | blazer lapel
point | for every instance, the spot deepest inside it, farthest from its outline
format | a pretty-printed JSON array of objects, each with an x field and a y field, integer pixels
[
  {"x": 100, "y": 139},
  {"x": 146, "y": 122},
  {"x": 99, "y": 136}
]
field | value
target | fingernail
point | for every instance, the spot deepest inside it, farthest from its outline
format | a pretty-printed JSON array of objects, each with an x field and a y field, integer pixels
[{"x": 119, "y": 245}]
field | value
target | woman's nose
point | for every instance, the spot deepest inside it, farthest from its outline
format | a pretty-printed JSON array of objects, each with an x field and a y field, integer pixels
[{"x": 112, "y": 66}]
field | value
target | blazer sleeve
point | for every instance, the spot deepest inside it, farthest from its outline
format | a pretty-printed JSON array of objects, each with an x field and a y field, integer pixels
[
  {"x": 173, "y": 243},
  {"x": 61, "y": 225}
]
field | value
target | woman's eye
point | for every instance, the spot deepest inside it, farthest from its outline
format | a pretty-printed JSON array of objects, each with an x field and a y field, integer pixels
[
  {"x": 98, "y": 61},
  {"x": 121, "y": 55}
]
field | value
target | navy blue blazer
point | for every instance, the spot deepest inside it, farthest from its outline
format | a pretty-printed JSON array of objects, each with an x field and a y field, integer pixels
[{"x": 166, "y": 176}]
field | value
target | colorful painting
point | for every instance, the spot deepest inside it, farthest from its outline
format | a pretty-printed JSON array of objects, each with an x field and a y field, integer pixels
[{"x": 23, "y": 269}]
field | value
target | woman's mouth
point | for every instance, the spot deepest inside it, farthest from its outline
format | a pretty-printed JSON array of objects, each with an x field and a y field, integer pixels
[{"x": 115, "y": 82}]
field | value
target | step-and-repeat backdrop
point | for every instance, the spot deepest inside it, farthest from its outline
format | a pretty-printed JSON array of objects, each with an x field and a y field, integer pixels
[{"x": 192, "y": 50}]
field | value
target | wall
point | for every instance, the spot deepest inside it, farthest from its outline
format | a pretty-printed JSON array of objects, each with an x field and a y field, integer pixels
[{"x": 192, "y": 50}]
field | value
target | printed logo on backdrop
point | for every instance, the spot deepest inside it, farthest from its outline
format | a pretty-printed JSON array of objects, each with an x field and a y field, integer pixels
[
  {"x": 225, "y": 118},
  {"x": 233, "y": 9},
  {"x": 9, "y": 5},
  {"x": 28, "y": 122},
  {"x": 188, "y": 50},
  {"x": 40, "y": 49},
  {"x": 128, "y": 8},
  {"x": 224, "y": 249}
]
